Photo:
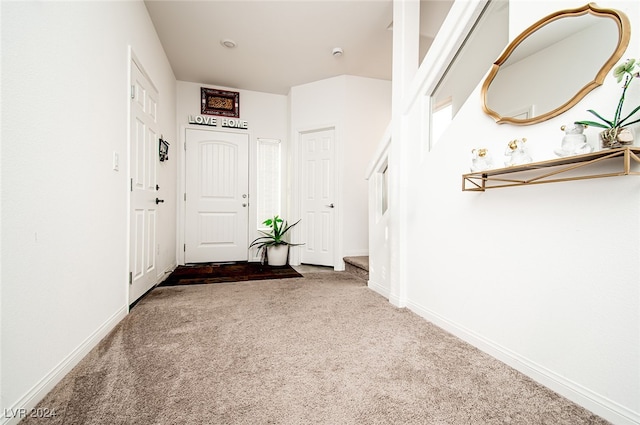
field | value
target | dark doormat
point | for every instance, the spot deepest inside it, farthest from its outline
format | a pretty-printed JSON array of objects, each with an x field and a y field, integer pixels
[{"x": 193, "y": 274}]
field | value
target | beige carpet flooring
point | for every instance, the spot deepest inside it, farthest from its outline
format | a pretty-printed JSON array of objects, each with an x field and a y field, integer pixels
[{"x": 322, "y": 349}]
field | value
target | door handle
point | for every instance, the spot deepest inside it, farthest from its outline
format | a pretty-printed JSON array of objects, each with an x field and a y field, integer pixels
[
  {"x": 330, "y": 205},
  {"x": 159, "y": 200}
]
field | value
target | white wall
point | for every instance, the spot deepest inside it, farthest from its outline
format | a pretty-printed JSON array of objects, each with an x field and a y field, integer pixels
[
  {"x": 267, "y": 115},
  {"x": 65, "y": 72},
  {"x": 368, "y": 110},
  {"x": 379, "y": 219},
  {"x": 543, "y": 277},
  {"x": 359, "y": 110}
]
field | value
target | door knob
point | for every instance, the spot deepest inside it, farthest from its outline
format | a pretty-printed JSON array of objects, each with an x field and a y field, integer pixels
[
  {"x": 330, "y": 205},
  {"x": 159, "y": 200}
]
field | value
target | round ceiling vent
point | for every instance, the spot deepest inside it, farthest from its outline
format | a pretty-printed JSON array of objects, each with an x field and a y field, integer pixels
[{"x": 228, "y": 43}]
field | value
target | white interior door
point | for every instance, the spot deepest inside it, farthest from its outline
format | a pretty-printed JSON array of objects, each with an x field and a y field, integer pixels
[
  {"x": 217, "y": 196},
  {"x": 143, "y": 159},
  {"x": 318, "y": 197}
]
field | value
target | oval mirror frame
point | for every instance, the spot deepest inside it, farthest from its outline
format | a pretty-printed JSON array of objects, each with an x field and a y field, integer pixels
[{"x": 624, "y": 34}]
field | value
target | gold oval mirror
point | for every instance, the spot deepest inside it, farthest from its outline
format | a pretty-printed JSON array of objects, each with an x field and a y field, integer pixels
[{"x": 554, "y": 63}]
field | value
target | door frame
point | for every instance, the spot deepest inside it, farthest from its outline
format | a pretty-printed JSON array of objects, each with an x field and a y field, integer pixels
[
  {"x": 182, "y": 184},
  {"x": 297, "y": 193}
]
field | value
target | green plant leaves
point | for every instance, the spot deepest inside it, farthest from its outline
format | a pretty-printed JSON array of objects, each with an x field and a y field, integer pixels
[
  {"x": 593, "y": 124},
  {"x": 627, "y": 72},
  {"x": 275, "y": 236},
  {"x": 629, "y": 116}
]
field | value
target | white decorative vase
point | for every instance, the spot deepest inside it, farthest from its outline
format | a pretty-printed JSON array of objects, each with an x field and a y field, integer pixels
[{"x": 277, "y": 255}]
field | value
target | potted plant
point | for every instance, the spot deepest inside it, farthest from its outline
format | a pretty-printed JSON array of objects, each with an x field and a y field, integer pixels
[
  {"x": 617, "y": 132},
  {"x": 273, "y": 245}
]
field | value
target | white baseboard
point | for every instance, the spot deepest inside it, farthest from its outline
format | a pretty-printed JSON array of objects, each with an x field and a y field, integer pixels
[
  {"x": 23, "y": 406},
  {"x": 394, "y": 299},
  {"x": 165, "y": 274},
  {"x": 380, "y": 289},
  {"x": 575, "y": 392}
]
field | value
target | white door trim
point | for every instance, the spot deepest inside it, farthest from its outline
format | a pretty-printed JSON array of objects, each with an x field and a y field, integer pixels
[{"x": 297, "y": 155}]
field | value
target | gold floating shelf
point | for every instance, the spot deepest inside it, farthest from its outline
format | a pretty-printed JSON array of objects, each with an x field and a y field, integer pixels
[{"x": 551, "y": 171}]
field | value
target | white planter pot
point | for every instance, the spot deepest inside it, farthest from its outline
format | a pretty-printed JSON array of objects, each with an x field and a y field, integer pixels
[{"x": 277, "y": 255}]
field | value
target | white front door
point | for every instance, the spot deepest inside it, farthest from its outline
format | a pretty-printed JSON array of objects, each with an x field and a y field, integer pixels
[
  {"x": 143, "y": 157},
  {"x": 318, "y": 197},
  {"x": 217, "y": 196}
]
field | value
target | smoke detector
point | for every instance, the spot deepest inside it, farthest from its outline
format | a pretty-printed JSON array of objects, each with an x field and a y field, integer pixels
[{"x": 337, "y": 52}]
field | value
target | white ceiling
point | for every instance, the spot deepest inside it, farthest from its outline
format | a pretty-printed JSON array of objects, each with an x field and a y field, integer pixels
[{"x": 280, "y": 43}]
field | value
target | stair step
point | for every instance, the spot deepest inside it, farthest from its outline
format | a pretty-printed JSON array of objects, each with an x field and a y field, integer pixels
[{"x": 358, "y": 266}]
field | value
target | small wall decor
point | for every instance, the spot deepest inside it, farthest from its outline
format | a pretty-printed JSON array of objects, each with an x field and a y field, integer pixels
[
  {"x": 517, "y": 153},
  {"x": 573, "y": 142},
  {"x": 163, "y": 150},
  {"x": 481, "y": 159},
  {"x": 220, "y": 102}
]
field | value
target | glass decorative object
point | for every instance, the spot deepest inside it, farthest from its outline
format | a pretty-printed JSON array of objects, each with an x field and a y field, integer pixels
[
  {"x": 574, "y": 141},
  {"x": 481, "y": 159},
  {"x": 516, "y": 153},
  {"x": 617, "y": 137}
]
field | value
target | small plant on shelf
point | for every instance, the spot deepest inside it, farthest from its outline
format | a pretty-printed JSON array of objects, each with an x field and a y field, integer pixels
[{"x": 617, "y": 132}]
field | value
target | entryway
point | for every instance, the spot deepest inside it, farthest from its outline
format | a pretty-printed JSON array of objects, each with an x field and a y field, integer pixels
[{"x": 217, "y": 196}]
